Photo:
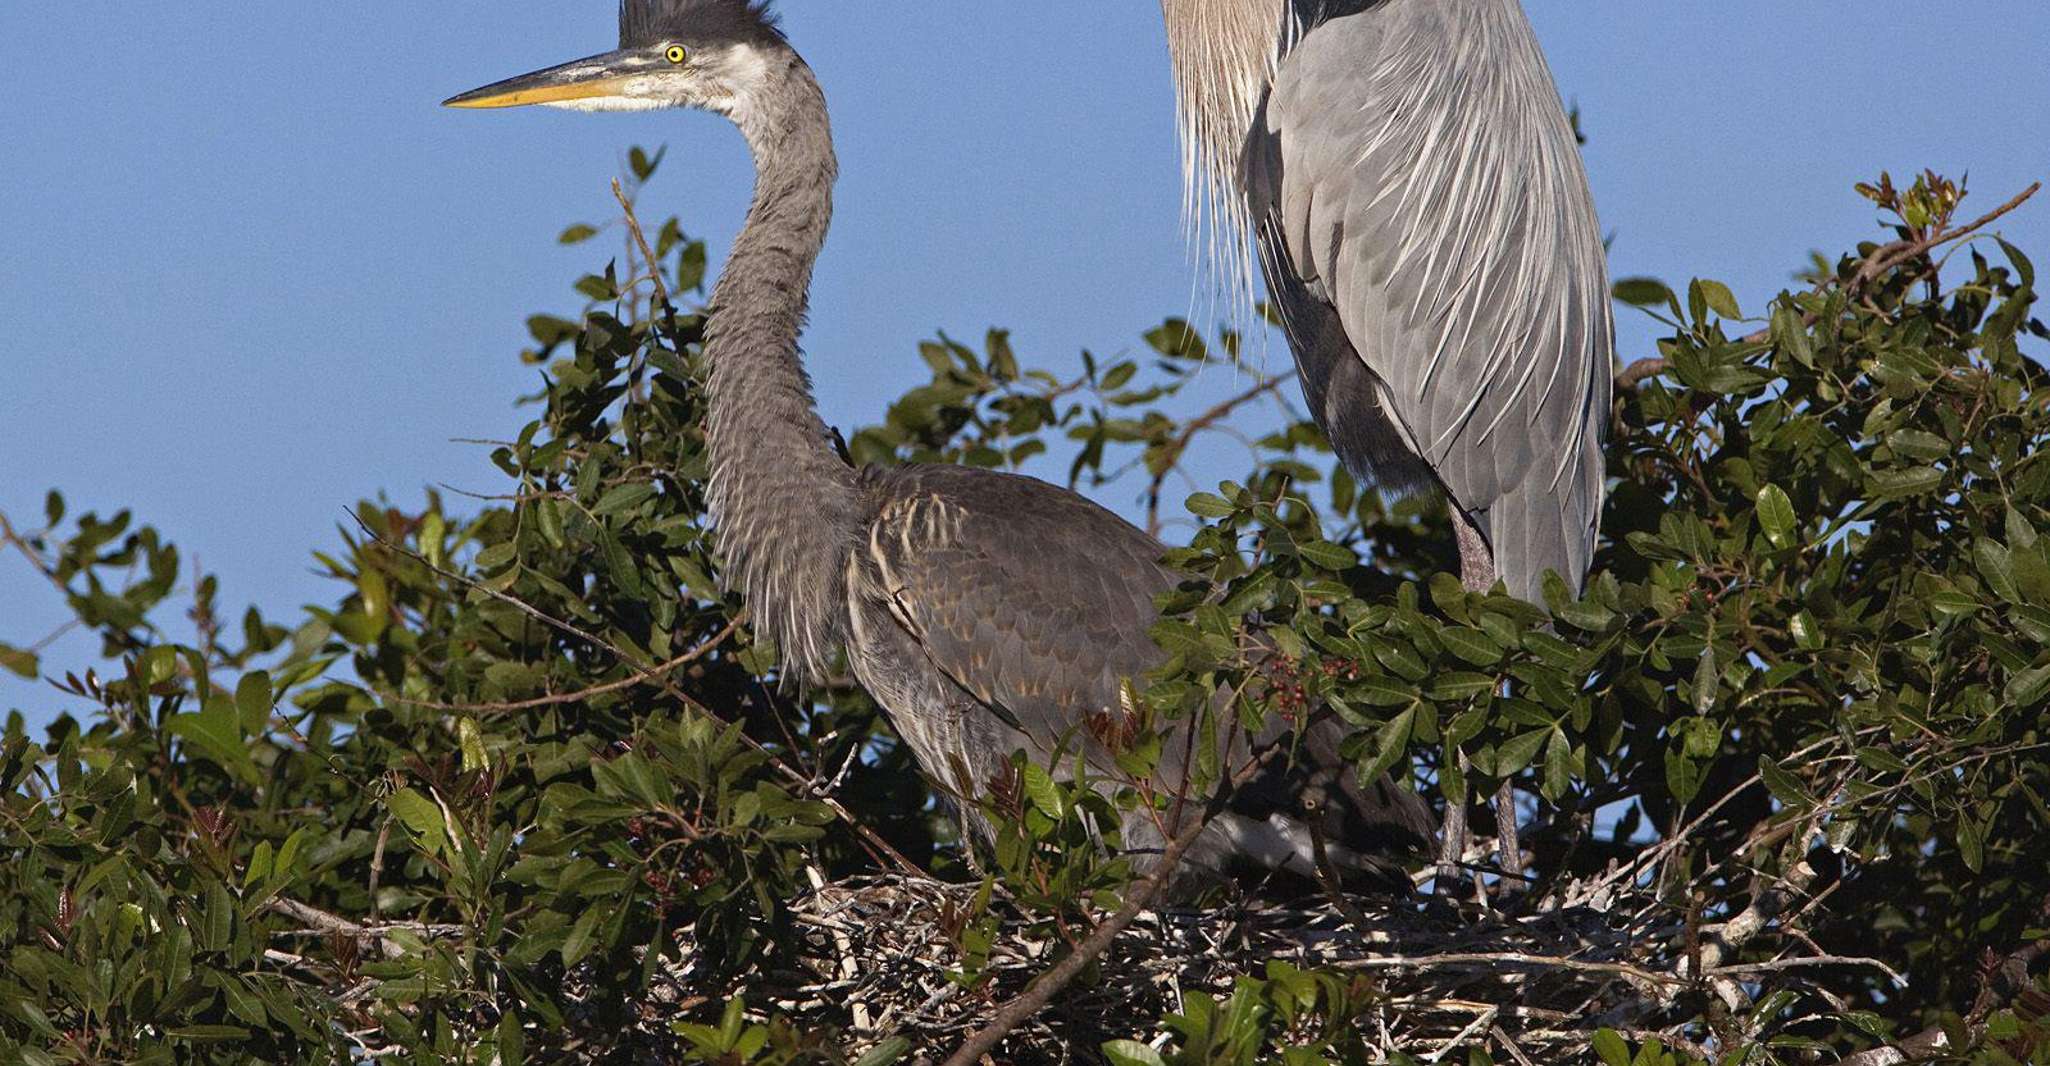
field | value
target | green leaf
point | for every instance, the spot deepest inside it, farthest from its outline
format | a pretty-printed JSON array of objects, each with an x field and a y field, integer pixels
[
  {"x": 1716, "y": 296},
  {"x": 1971, "y": 844},
  {"x": 1707, "y": 680},
  {"x": 622, "y": 498},
  {"x": 215, "y": 732},
  {"x": 578, "y": 943},
  {"x": 1209, "y": 505},
  {"x": 419, "y": 814},
  {"x": 1391, "y": 743},
  {"x": 1039, "y": 785},
  {"x": 1328, "y": 555},
  {"x": 1472, "y": 645},
  {"x": 643, "y": 164},
  {"x": 1384, "y": 692},
  {"x": 1776, "y": 515},
  {"x": 1996, "y": 565},
  {"x": 1784, "y": 786},
  {"x": 253, "y": 700},
  {"x": 19, "y": 662},
  {"x": 208, "y": 1033},
  {"x": 2029, "y": 687},
  {"x": 1132, "y": 1053},
  {"x": 1643, "y": 292},
  {"x": 472, "y": 741},
  {"x": 1913, "y": 481},
  {"x": 577, "y": 234},
  {"x": 1609, "y": 1046},
  {"x": 1512, "y": 755},
  {"x": 259, "y": 864},
  {"x": 497, "y": 555}
]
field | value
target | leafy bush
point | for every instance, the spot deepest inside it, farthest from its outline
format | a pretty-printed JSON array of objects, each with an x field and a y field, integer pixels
[{"x": 528, "y": 769}]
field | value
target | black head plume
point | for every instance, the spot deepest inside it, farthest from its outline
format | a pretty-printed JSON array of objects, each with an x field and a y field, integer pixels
[{"x": 648, "y": 22}]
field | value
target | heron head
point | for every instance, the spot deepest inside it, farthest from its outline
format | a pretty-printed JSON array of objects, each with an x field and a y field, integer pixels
[{"x": 709, "y": 54}]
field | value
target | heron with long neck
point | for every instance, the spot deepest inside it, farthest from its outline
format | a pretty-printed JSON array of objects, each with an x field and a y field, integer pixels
[{"x": 987, "y": 612}]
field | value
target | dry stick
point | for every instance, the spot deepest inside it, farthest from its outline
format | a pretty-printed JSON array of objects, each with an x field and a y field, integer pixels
[
  {"x": 1515, "y": 1050},
  {"x": 1514, "y": 958},
  {"x": 327, "y": 924},
  {"x": 1810, "y": 960},
  {"x": 633, "y": 226},
  {"x": 809, "y": 785},
  {"x": 1049, "y": 984}
]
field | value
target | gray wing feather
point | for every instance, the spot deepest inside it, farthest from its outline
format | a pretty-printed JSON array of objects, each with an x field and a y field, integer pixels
[
  {"x": 1034, "y": 600},
  {"x": 1030, "y": 605},
  {"x": 1423, "y": 211}
]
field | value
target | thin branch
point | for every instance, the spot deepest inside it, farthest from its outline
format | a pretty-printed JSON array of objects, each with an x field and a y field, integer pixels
[
  {"x": 580, "y": 695},
  {"x": 1639, "y": 372},
  {"x": 1512, "y": 958},
  {"x": 1049, "y": 984},
  {"x": 322, "y": 923},
  {"x": 35, "y": 559},
  {"x": 1194, "y": 427},
  {"x": 1807, "y": 961},
  {"x": 633, "y": 226},
  {"x": 1893, "y": 255}
]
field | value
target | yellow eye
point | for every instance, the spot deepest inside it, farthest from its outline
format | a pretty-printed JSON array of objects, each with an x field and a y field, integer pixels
[{"x": 676, "y": 53}]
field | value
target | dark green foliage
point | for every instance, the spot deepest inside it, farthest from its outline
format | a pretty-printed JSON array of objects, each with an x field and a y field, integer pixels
[{"x": 464, "y": 811}]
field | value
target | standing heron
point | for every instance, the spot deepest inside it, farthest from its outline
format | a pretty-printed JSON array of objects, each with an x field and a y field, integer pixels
[
  {"x": 987, "y": 612},
  {"x": 1414, "y": 191}
]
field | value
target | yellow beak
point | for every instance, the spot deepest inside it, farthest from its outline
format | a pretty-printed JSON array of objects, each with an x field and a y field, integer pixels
[{"x": 584, "y": 79}]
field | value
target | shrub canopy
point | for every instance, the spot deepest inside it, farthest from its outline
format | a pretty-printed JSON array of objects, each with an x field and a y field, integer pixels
[{"x": 526, "y": 788}]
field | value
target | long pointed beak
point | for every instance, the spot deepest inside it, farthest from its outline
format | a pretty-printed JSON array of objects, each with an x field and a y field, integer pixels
[{"x": 594, "y": 76}]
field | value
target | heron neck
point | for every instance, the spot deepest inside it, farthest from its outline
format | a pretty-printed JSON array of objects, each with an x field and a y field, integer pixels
[{"x": 786, "y": 505}]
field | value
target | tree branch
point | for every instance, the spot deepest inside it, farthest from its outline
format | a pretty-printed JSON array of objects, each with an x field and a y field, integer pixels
[{"x": 1049, "y": 984}]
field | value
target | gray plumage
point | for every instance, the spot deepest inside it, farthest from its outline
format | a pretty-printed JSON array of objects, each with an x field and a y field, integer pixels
[
  {"x": 1415, "y": 194},
  {"x": 986, "y": 612}
]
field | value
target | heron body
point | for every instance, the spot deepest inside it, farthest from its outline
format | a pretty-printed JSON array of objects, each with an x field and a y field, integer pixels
[
  {"x": 986, "y": 612},
  {"x": 1414, "y": 190}
]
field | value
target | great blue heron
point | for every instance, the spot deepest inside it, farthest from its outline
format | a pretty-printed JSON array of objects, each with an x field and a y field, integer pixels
[
  {"x": 986, "y": 612},
  {"x": 1414, "y": 190}
]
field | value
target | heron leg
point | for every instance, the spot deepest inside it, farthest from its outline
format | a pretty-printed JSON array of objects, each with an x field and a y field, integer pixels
[
  {"x": 1477, "y": 573},
  {"x": 1510, "y": 848},
  {"x": 1452, "y": 843}
]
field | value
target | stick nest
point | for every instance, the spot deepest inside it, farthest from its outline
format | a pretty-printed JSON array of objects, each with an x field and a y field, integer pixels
[{"x": 882, "y": 957}]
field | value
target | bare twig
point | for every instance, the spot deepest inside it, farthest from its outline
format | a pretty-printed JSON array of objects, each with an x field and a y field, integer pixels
[
  {"x": 640, "y": 676},
  {"x": 1638, "y": 372},
  {"x": 1802, "y": 962},
  {"x": 1510, "y": 958},
  {"x": 633, "y": 226},
  {"x": 35, "y": 559},
  {"x": 1049, "y": 984},
  {"x": 1194, "y": 427},
  {"x": 322, "y": 923}
]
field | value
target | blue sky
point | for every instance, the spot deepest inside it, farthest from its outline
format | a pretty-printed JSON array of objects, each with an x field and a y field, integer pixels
[{"x": 250, "y": 272}]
